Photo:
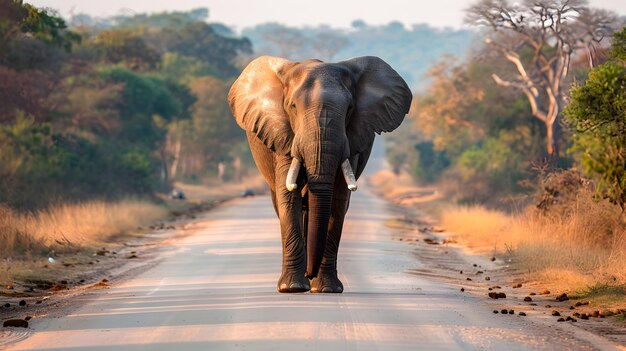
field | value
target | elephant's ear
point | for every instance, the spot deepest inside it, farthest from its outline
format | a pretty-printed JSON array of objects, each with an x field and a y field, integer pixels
[
  {"x": 382, "y": 99},
  {"x": 256, "y": 100}
]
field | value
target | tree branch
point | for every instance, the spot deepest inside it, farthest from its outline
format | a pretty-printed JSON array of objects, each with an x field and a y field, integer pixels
[{"x": 530, "y": 92}]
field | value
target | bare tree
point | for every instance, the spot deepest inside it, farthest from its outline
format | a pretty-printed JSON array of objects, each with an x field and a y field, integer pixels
[
  {"x": 285, "y": 42},
  {"x": 327, "y": 44},
  {"x": 539, "y": 38}
]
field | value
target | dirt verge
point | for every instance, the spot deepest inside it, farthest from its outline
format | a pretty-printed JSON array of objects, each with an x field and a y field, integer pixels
[{"x": 505, "y": 289}]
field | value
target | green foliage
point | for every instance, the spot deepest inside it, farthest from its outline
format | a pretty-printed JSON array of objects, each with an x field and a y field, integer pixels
[
  {"x": 20, "y": 21},
  {"x": 127, "y": 47},
  {"x": 180, "y": 68},
  {"x": 174, "y": 19},
  {"x": 618, "y": 48},
  {"x": 199, "y": 40},
  {"x": 40, "y": 165},
  {"x": 598, "y": 112},
  {"x": 495, "y": 164},
  {"x": 47, "y": 28},
  {"x": 99, "y": 120},
  {"x": 143, "y": 97},
  {"x": 429, "y": 163}
]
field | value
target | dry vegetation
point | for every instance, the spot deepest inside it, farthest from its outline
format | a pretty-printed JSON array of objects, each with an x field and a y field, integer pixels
[
  {"x": 582, "y": 246},
  {"x": 402, "y": 188},
  {"x": 76, "y": 224},
  {"x": 570, "y": 242},
  {"x": 71, "y": 232}
]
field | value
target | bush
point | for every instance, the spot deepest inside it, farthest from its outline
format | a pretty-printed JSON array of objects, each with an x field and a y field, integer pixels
[
  {"x": 598, "y": 113},
  {"x": 429, "y": 163}
]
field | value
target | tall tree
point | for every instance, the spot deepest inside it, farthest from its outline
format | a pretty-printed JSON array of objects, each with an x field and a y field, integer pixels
[{"x": 539, "y": 38}]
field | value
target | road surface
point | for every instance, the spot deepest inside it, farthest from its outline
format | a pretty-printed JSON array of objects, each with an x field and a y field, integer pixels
[{"x": 216, "y": 290}]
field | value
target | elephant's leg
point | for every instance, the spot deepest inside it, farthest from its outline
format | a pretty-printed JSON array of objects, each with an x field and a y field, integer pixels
[
  {"x": 289, "y": 206},
  {"x": 327, "y": 280}
]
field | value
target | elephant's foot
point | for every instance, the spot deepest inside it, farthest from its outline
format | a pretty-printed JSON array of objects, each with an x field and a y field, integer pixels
[
  {"x": 293, "y": 282},
  {"x": 326, "y": 282}
]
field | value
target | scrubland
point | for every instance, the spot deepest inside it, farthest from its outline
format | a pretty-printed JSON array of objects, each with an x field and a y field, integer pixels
[
  {"x": 583, "y": 247},
  {"x": 85, "y": 223},
  {"x": 571, "y": 242}
]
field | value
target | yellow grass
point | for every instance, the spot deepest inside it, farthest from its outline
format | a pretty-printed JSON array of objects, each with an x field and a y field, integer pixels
[
  {"x": 401, "y": 188},
  {"x": 586, "y": 245},
  {"x": 479, "y": 228},
  {"x": 82, "y": 223}
]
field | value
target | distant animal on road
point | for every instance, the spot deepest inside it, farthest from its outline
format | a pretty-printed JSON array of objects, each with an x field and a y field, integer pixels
[
  {"x": 311, "y": 127},
  {"x": 177, "y": 194}
]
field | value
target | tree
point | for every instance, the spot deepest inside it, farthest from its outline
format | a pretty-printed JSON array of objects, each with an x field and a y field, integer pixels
[
  {"x": 126, "y": 46},
  {"x": 33, "y": 49},
  {"x": 475, "y": 136},
  {"x": 198, "y": 145},
  {"x": 442, "y": 112},
  {"x": 19, "y": 21},
  {"x": 200, "y": 40},
  {"x": 539, "y": 38},
  {"x": 598, "y": 113}
]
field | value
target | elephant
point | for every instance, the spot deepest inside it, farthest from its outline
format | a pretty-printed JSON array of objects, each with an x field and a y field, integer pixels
[{"x": 311, "y": 126}]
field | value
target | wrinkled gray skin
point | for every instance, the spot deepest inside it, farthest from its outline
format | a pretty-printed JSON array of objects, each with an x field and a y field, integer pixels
[{"x": 321, "y": 114}]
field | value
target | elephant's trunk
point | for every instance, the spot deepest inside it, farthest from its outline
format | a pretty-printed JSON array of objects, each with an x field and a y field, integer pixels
[
  {"x": 322, "y": 155},
  {"x": 320, "y": 203}
]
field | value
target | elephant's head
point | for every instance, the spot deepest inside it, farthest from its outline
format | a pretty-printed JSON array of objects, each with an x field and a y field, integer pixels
[{"x": 321, "y": 114}]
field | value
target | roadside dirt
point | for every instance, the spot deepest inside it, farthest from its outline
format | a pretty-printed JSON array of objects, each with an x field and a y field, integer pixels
[{"x": 482, "y": 275}]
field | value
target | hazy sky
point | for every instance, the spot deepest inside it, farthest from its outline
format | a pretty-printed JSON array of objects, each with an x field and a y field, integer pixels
[{"x": 337, "y": 13}]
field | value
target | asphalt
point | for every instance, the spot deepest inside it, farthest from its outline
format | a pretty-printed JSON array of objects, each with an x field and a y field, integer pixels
[{"x": 216, "y": 290}]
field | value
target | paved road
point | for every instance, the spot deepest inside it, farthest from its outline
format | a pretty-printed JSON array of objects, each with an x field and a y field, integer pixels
[{"x": 216, "y": 290}]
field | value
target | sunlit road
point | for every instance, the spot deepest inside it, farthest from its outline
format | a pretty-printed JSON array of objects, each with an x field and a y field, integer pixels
[{"x": 216, "y": 290}]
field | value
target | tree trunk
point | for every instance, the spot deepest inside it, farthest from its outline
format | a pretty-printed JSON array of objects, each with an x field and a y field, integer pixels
[
  {"x": 550, "y": 138},
  {"x": 164, "y": 172},
  {"x": 174, "y": 166}
]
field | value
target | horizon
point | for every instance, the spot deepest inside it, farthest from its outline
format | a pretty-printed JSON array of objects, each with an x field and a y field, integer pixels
[{"x": 307, "y": 14}]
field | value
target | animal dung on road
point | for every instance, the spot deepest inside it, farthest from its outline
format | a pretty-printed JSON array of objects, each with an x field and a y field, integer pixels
[
  {"x": 497, "y": 295},
  {"x": 562, "y": 297},
  {"x": 16, "y": 323}
]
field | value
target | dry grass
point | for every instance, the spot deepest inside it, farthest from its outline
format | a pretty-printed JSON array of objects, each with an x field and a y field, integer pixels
[
  {"x": 401, "y": 188},
  {"x": 586, "y": 245},
  {"x": 77, "y": 224},
  {"x": 480, "y": 228}
]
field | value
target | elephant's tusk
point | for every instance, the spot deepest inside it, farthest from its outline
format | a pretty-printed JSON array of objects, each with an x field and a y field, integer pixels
[
  {"x": 292, "y": 175},
  {"x": 348, "y": 174}
]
